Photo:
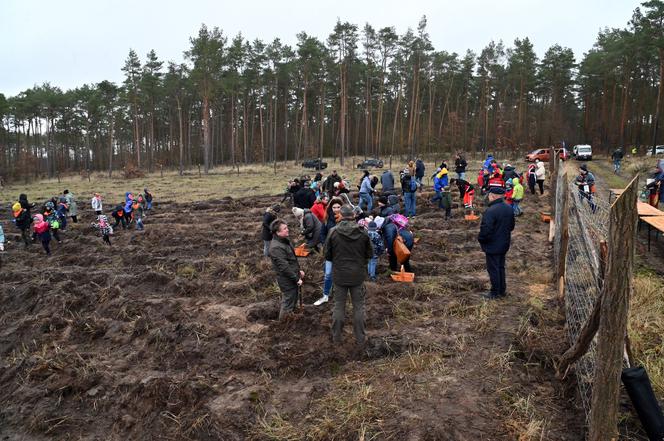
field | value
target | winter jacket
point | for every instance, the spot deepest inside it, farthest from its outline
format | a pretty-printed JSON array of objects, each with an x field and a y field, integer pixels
[
  {"x": 518, "y": 192},
  {"x": 419, "y": 169},
  {"x": 319, "y": 210},
  {"x": 268, "y": 218},
  {"x": 71, "y": 202},
  {"x": 304, "y": 198},
  {"x": 118, "y": 212},
  {"x": 23, "y": 200},
  {"x": 441, "y": 180},
  {"x": 446, "y": 201},
  {"x": 96, "y": 204},
  {"x": 487, "y": 162},
  {"x": 460, "y": 165},
  {"x": 386, "y": 211},
  {"x": 137, "y": 210},
  {"x": 22, "y": 218},
  {"x": 540, "y": 171},
  {"x": 349, "y": 248},
  {"x": 311, "y": 227},
  {"x": 532, "y": 176},
  {"x": 387, "y": 182},
  {"x": 509, "y": 173},
  {"x": 376, "y": 242},
  {"x": 365, "y": 187},
  {"x": 148, "y": 195},
  {"x": 617, "y": 155},
  {"x": 127, "y": 205},
  {"x": 326, "y": 227},
  {"x": 284, "y": 262},
  {"x": 405, "y": 184},
  {"x": 328, "y": 185},
  {"x": 496, "y": 228},
  {"x": 53, "y": 218}
]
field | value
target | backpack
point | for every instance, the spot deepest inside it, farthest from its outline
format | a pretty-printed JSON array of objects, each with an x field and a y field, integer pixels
[
  {"x": 377, "y": 242},
  {"x": 399, "y": 220},
  {"x": 413, "y": 184}
]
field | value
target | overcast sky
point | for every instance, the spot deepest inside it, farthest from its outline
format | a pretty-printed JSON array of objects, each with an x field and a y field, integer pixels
[{"x": 72, "y": 42}]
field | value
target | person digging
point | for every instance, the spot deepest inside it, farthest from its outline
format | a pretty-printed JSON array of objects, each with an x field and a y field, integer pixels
[{"x": 285, "y": 264}]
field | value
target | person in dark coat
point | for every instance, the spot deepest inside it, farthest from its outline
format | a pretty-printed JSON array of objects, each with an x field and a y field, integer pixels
[
  {"x": 384, "y": 207},
  {"x": 118, "y": 214},
  {"x": 460, "y": 165},
  {"x": 266, "y": 233},
  {"x": 285, "y": 264},
  {"x": 390, "y": 233},
  {"x": 310, "y": 227},
  {"x": 23, "y": 220},
  {"x": 387, "y": 183},
  {"x": 419, "y": 171},
  {"x": 495, "y": 237},
  {"x": 349, "y": 249},
  {"x": 328, "y": 185},
  {"x": 304, "y": 198}
]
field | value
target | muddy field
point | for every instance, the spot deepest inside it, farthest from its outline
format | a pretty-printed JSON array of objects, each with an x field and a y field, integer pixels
[{"x": 171, "y": 334}]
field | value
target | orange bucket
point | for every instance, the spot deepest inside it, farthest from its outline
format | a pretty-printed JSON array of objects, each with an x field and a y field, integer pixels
[
  {"x": 403, "y": 276},
  {"x": 471, "y": 217},
  {"x": 302, "y": 251},
  {"x": 546, "y": 217}
]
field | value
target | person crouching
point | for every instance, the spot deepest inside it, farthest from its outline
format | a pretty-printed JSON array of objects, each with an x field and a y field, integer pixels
[{"x": 310, "y": 227}]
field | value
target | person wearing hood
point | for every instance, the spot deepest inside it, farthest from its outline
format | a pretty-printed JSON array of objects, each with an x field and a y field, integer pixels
[
  {"x": 329, "y": 186},
  {"x": 269, "y": 216},
  {"x": 495, "y": 237},
  {"x": 320, "y": 206},
  {"x": 285, "y": 264},
  {"x": 23, "y": 200},
  {"x": 118, "y": 214},
  {"x": 51, "y": 216},
  {"x": 517, "y": 196},
  {"x": 129, "y": 201},
  {"x": 42, "y": 231},
  {"x": 460, "y": 165},
  {"x": 349, "y": 249},
  {"x": 22, "y": 220},
  {"x": 540, "y": 175},
  {"x": 387, "y": 183},
  {"x": 440, "y": 181},
  {"x": 97, "y": 204},
  {"x": 656, "y": 186},
  {"x": 332, "y": 218},
  {"x": 366, "y": 192},
  {"x": 148, "y": 199},
  {"x": 585, "y": 182},
  {"x": 487, "y": 161},
  {"x": 62, "y": 208},
  {"x": 71, "y": 203},
  {"x": 310, "y": 227},
  {"x": 304, "y": 198}
]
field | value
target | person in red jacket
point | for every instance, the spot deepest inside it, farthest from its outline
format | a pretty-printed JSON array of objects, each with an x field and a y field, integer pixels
[{"x": 319, "y": 207}]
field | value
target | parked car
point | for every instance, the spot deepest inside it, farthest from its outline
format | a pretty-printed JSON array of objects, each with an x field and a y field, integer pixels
[
  {"x": 582, "y": 152},
  {"x": 659, "y": 150},
  {"x": 316, "y": 164},
  {"x": 563, "y": 154},
  {"x": 367, "y": 163},
  {"x": 543, "y": 155}
]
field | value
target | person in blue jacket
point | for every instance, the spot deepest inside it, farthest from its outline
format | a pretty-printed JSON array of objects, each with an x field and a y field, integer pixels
[
  {"x": 495, "y": 237},
  {"x": 487, "y": 162},
  {"x": 129, "y": 201},
  {"x": 390, "y": 232},
  {"x": 366, "y": 192}
]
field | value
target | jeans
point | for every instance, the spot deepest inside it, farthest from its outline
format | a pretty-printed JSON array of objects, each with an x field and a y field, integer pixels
[
  {"x": 266, "y": 247},
  {"x": 149, "y": 205},
  {"x": 515, "y": 207},
  {"x": 439, "y": 198},
  {"x": 357, "y": 296},
  {"x": 410, "y": 200},
  {"x": 616, "y": 165},
  {"x": 371, "y": 267},
  {"x": 139, "y": 224},
  {"x": 461, "y": 175},
  {"x": 327, "y": 279},
  {"x": 366, "y": 199}
]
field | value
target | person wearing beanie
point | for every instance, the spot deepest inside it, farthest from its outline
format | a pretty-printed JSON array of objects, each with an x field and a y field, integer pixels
[
  {"x": 309, "y": 226},
  {"x": 266, "y": 233},
  {"x": 378, "y": 248},
  {"x": 96, "y": 203},
  {"x": 42, "y": 230},
  {"x": 494, "y": 237},
  {"x": 285, "y": 264},
  {"x": 349, "y": 249},
  {"x": 22, "y": 220}
]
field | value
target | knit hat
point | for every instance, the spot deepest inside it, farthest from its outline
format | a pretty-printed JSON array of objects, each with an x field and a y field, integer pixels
[
  {"x": 497, "y": 190},
  {"x": 382, "y": 200},
  {"x": 38, "y": 218},
  {"x": 584, "y": 167},
  {"x": 298, "y": 212},
  {"x": 372, "y": 226},
  {"x": 347, "y": 212}
]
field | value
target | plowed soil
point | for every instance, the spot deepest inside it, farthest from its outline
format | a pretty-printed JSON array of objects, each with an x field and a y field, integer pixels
[{"x": 172, "y": 334}]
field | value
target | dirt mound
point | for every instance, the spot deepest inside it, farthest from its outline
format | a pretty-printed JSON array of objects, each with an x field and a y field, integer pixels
[{"x": 171, "y": 333}]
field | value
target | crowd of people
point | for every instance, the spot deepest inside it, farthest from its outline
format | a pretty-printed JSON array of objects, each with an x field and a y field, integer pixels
[
  {"x": 352, "y": 237},
  {"x": 46, "y": 221}
]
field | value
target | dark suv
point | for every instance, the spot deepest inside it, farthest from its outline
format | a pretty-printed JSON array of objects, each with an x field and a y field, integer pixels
[
  {"x": 315, "y": 164},
  {"x": 367, "y": 163}
]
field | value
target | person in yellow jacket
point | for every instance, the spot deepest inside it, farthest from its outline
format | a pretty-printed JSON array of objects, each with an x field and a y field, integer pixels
[{"x": 517, "y": 196}]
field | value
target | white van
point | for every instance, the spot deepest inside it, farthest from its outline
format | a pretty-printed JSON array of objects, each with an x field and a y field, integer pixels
[
  {"x": 659, "y": 150},
  {"x": 583, "y": 152}
]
